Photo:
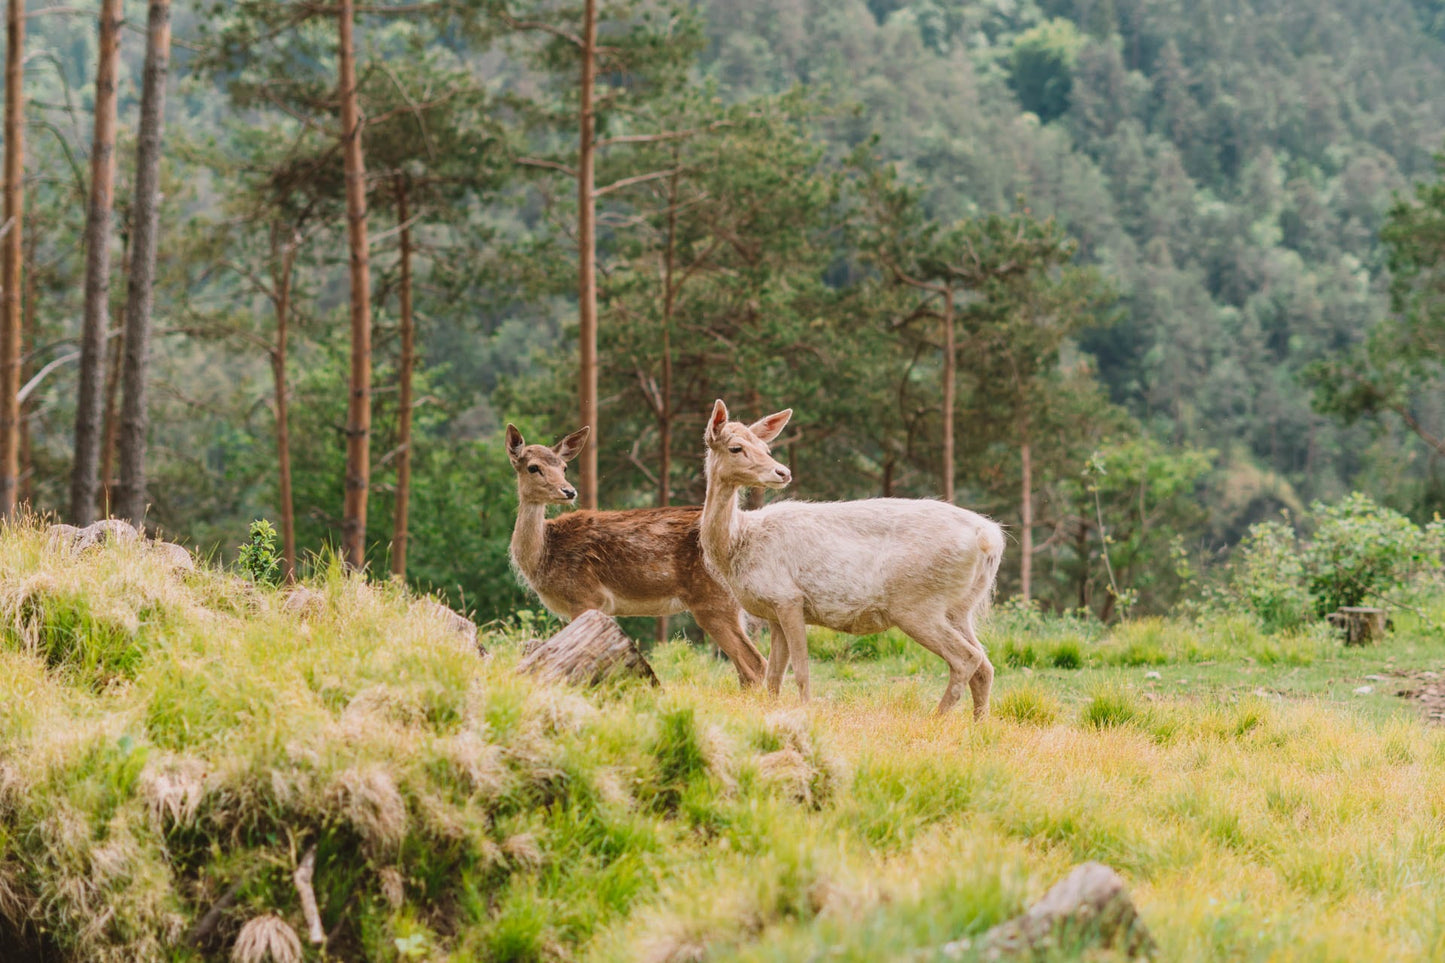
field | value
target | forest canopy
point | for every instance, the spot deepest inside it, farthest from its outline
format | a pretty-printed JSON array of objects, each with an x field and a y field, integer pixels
[{"x": 1129, "y": 277}]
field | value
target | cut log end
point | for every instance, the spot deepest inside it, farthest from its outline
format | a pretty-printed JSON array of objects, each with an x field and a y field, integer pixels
[{"x": 588, "y": 651}]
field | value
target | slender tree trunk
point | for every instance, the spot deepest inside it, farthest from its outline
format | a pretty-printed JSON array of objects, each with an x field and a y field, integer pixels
[
  {"x": 134, "y": 415},
  {"x": 283, "y": 259},
  {"x": 26, "y": 477},
  {"x": 358, "y": 412},
  {"x": 1026, "y": 525},
  {"x": 587, "y": 257},
  {"x": 404, "y": 402},
  {"x": 116, "y": 349},
  {"x": 950, "y": 378},
  {"x": 84, "y": 477},
  {"x": 14, "y": 255},
  {"x": 664, "y": 408}
]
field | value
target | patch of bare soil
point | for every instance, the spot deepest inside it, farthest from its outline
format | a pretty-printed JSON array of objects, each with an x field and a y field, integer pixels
[{"x": 1427, "y": 689}]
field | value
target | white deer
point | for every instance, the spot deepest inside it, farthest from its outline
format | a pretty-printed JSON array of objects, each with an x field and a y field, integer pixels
[{"x": 858, "y": 567}]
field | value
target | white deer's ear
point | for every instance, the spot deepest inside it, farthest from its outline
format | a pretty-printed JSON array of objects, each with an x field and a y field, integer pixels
[
  {"x": 715, "y": 422},
  {"x": 515, "y": 443},
  {"x": 571, "y": 446},
  {"x": 770, "y": 427}
]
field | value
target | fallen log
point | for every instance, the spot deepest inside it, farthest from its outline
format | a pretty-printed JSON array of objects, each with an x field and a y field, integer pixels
[{"x": 592, "y": 648}]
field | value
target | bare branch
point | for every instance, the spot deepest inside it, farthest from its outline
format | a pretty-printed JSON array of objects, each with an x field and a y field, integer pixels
[{"x": 550, "y": 165}]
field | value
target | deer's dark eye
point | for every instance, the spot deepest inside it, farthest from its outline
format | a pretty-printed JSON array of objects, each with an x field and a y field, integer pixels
[
  {"x": 736, "y": 449},
  {"x": 534, "y": 469}
]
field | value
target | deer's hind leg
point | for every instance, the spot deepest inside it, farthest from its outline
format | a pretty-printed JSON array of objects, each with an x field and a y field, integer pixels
[
  {"x": 963, "y": 658},
  {"x": 980, "y": 684},
  {"x": 725, "y": 625}
]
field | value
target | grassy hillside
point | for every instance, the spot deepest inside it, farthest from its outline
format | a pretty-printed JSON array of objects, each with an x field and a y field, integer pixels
[{"x": 173, "y": 744}]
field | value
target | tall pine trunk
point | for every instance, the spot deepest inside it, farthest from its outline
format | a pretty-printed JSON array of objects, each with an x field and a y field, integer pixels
[
  {"x": 1026, "y": 523},
  {"x": 358, "y": 409},
  {"x": 283, "y": 260},
  {"x": 13, "y": 256},
  {"x": 587, "y": 257},
  {"x": 950, "y": 379},
  {"x": 404, "y": 401},
  {"x": 135, "y": 373},
  {"x": 84, "y": 477},
  {"x": 664, "y": 402},
  {"x": 116, "y": 352}
]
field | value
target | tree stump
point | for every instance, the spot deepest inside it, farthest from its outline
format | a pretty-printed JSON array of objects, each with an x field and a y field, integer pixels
[
  {"x": 1361, "y": 624},
  {"x": 1089, "y": 907},
  {"x": 589, "y": 650}
]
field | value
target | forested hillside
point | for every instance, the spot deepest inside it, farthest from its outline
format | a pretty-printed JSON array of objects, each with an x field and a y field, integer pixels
[{"x": 1150, "y": 231}]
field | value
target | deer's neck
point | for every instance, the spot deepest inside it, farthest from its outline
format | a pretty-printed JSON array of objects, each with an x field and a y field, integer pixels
[
  {"x": 722, "y": 523},
  {"x": 529, "y": 538}
]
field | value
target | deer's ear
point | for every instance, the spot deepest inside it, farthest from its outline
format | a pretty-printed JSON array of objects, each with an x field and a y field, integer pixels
[
  {"x": 715, "y": 423},
  {"x": 770, "y": 427},
  {"x": 515, "y": 443},
  {"x": 571, "y": 446}
]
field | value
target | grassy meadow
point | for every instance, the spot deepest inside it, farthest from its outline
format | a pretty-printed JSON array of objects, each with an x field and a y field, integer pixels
[{"x": 173, "y": 744}]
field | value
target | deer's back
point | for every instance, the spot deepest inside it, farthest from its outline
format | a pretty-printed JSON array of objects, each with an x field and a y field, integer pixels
[
  {"x": 649, "y": 560},
  {"x": 855, "y": 561}
]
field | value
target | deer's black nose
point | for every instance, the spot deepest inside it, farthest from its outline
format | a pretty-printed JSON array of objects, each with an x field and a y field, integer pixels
[{"x": 569, "y": 493}]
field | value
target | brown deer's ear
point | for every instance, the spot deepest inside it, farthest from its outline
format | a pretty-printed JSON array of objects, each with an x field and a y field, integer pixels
[
  {"x": 715, "y": 423},
  {"x": 515, "y": 443},
  {"x": 571, "y": 446},
  {"x": 770, "y": 427}
]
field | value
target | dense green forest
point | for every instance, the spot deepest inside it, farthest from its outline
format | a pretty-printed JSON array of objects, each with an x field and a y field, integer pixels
[{"x": 1178, "y": 246}]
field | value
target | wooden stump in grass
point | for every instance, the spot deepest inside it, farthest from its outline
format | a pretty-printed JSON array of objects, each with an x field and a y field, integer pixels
[
  {"x": 1090, "y": 907},
  {"x": 1361, "y": 624},
  {"x": 592, "y": 648}
]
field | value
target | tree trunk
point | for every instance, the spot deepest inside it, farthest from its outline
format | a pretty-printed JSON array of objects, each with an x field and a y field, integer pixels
[
  {"x": 588, "y": 651},
  {"x": 1026, "y": 524},
  {"x": 283, "y": 259},
  {"x": 14, "y": 255},
  {"x": 950, "y": 377},
  {"x": 116, "y": 350},
  {"x": 664, "y": 408},
  {"x": 358, "y": 412},
  {"x": 134, "y": 415},
  {"x": 25, "y": 480},
  {"x": 587, "y": 258},
  {"x": 84, "y": 476},
  {"x": 404, "y": 402}
]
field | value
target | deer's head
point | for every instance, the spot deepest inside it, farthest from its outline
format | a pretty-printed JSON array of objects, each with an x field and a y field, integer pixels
[
  {"x": 738, "y": 454},
  {"x": 542, "y": 471}
]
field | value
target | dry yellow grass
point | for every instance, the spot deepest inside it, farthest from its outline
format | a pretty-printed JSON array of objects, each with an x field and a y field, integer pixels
[{"x": 169, "y": 738}]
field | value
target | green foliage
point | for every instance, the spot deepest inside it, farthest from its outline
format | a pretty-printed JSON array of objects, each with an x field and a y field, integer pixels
[
  {"x": 1268, "y": 576},
  {"x": 1109, "y": 707},
  {"x": 1041, "y": 67},
  {"x": 258, "y": 560},
  {"x": 1030, "y": 705},
  {"x": 1358, "y": 552}
]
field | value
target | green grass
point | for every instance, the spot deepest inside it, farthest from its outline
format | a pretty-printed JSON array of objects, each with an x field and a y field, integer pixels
[{"x": 173, "y": 743}]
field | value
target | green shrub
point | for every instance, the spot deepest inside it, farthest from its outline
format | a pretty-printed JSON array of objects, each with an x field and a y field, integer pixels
[
  {"x": 1028, "y": 705},
  {"x": 1359, "y": 550},
  {"x": 1268, "y": 576},
  {"x": 1067, "y": 655},
  {"x": 1109, "y": 707}
]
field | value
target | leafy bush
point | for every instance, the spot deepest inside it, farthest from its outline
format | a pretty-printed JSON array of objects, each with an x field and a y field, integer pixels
[
  {"x": 1268, "y": 576},
  {"x": 1359, "y": 551},
  {"x": 258, "y": 560}
]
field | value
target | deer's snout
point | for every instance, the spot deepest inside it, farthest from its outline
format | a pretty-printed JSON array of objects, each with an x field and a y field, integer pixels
[
  {"x": 784, "y": 476},
  {"x": 569, "y": 493}
]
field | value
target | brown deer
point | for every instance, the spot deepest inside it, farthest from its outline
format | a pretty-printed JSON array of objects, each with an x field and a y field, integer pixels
[
  {"x": 646, "y": 561},
  {"x": 925, "y": 566}
]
